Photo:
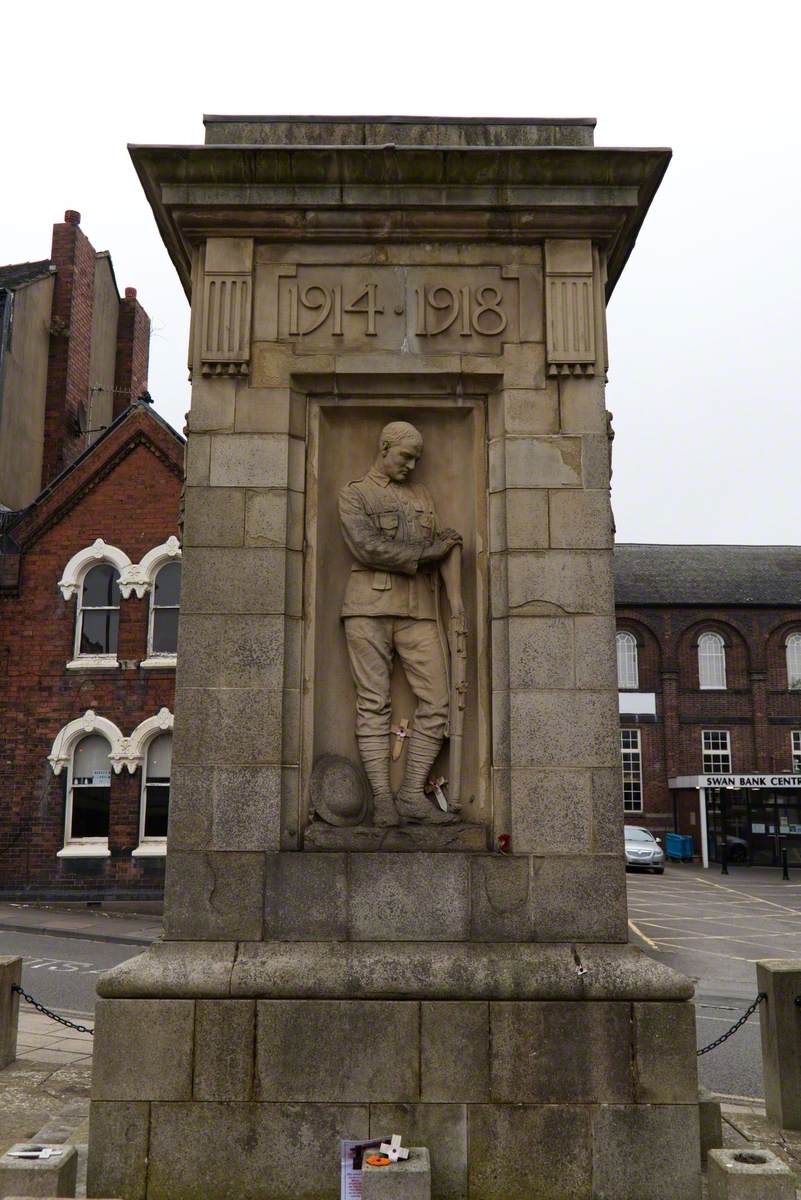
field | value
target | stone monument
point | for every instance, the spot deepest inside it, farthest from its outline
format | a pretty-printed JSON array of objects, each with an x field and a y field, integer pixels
[{"x": 395, "y": 883}]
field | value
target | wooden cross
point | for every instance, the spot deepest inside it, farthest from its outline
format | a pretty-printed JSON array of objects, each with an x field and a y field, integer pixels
[{"x": 393, "y": 1149}]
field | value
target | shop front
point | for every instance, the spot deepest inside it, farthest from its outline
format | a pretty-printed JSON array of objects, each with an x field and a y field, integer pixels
[{"x": 753, "y": 816}]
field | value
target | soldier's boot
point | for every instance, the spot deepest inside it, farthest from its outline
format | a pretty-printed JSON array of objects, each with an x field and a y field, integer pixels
[
  {"x": 412, "y": 802},
  {"x": 374, "y": 751}
]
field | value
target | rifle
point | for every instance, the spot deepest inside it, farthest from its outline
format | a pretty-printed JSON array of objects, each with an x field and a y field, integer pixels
[{"x": 457, "y": 640}]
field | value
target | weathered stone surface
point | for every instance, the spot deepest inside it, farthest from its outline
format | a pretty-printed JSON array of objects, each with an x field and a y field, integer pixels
[
  {"x": 595, "y": 460},
  {"x": 224, "y": 1050},
  {"x": 581, "y": 404},
  {"x": 454, "y": 1051},
  {"x": 266, "y": 519},
  {"x": 213, "y": 895},
  {"x": 645, "y": 1151},
  {"x": 710, "y": 1124},
  {"x": 441, "y": 1127},
  {"x": 225, "y": 808},
  {"x": 143, "y": 1050},
  {"x": 529, "y": 1062},
  {"x": 596, "y": 661},
  {"x": 294, "y": 1146},
  {"x": 118, "y": 1144},
  {"x": 323, "y": 1050},
  {"x": 198, "y": 457},
  {"x": 501, "y": 903},
  {"x": 523, "y": 365},
  {"x": 664, "y": 1054},
  {"x": 232, "y": 651},
  {"x": 269, "y": 410},
  {"x": 551, "y": 811},
  {"x": 407, "y": 1179},
  {"x": 228, "y": 726},
  {"x": 214, "y": 516},
  {"x": 559, "y": 581},
  {"x": 580, "y": 520},
  {"x": 409, "y": 897},
  {"x": 39, "y": 1177},
  {"x": 519, "y": 1151},
  {"x": 607, "y": 811},
  {"x": 454, "y": 838},
  {"x": 408, "y": 970},
  {"x": 735, "y": 1176},
  {"x": 563, "y": 729},
  {"x": 524, "y": 410},
  {"x": 249, "y": 460},
  {"x": 780, "y": 979},
  {"x": 212, "y": 405},
  {"x": 517, "y": 525},
  {"x": 10, "y": 977},
  {"x": 535, "y": 462},
  {"x": 582, "y": 898},
  {"x": 305, "y": 897},
  {"x": 541, "y": 653},
  {"x": 207, "y": 581}
]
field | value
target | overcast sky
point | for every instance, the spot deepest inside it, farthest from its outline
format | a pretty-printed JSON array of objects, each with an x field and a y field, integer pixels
[{"x": 705, "y": 345}]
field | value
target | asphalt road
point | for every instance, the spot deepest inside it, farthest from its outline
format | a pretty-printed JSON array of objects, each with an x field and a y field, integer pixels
[
  {"x": 61, "y": 973},
  {"x": 714, "y": 928}
]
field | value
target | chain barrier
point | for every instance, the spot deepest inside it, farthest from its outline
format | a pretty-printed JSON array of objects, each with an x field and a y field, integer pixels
[
  {"x": 749, "y": 1012},
  {"x": 46, "y": 1012}
]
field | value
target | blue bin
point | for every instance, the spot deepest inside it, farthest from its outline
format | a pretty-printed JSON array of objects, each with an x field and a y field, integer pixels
[{"x": 679, "y": 847}]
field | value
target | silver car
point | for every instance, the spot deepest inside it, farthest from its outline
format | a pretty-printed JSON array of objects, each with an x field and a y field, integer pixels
[{"x": 643, "y": 851}]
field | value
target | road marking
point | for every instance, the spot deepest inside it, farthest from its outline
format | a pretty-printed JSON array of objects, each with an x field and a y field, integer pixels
[
  {"x": 749, "y": 896},
  {"x": 648, "y": 941}
]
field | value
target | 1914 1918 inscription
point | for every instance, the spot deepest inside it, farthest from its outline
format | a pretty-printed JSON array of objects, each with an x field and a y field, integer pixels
[{"x": 445, "y": 308}]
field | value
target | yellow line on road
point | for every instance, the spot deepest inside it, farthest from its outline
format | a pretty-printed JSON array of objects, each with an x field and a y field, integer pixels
[{"x": 644, "y": 937}]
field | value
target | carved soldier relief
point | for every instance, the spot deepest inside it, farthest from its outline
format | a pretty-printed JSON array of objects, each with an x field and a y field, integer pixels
[{"x": 401, "y": 634}]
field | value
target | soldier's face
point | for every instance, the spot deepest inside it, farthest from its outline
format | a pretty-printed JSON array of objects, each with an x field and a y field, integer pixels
[{"x": 400, "y": 460}]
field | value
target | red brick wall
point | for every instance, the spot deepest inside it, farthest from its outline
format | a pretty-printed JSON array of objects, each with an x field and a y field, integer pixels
[
  {"x": 134, "y": 507},
  {"x": 756, "y": 708},
  {"x": 70, "y": 345},
  {"x": 133, "y": 349}
]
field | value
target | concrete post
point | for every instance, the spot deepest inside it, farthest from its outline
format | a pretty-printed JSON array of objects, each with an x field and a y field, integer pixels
[
  {"x": 10, "y": 975},
  {"x": 780, "y": 1022}
]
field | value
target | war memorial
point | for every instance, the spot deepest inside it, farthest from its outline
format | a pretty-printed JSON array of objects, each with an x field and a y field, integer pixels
[{"x": 395, "y": 889}]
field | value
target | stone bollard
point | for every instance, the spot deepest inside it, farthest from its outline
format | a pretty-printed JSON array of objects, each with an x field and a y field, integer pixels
[
  {"x": 10, "y": 975},
  {"x": 749, "y": 1174},
  {"x": 409, "y": 1179},
  {"x": 780, "y": 1024},
  {"x": 710, "y": 1123},
  {"x": 54, "y": 1176}
]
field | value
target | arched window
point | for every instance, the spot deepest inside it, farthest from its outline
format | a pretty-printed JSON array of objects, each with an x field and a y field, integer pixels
[
  {"x": 164, "y": 602},
  {"x": 627, "y": 672},
  {"x": 711, "y": 661},
  {"x": 156, "y": 772},
  {"x": 793, "y": 648},
  {"x": 88, "y": 798},
  {"x": 98, "y": 615}
]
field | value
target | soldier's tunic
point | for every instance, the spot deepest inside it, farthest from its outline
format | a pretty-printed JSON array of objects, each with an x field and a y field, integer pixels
[{"x": 390, "y": 604}]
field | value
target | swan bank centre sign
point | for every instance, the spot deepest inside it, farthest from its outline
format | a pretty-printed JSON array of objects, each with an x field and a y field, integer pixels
[{"x": 737, "y": 781}]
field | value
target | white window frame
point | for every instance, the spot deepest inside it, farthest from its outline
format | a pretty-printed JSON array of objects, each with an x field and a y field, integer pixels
[
  {"x": 714, "y": 659},
  {"x": 81, "y": 661},
  {"x": 71, "y": 584},
  {"x": 140, "y": 740},
  {"x": 83, "y": 847},
  {"x": 157, "y": 658},
  {"x": 634, "y": 750},
  {"x": 792, "y": 649},
  {"x": 628, "y": 667},
  {"x": 721, "y": 751},
  {"x": 141, "y": 579},
  {"x": 795, "y": 750}
]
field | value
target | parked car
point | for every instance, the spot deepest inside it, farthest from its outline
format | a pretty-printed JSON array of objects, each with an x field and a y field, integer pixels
[{"x": 643, "y": 852}]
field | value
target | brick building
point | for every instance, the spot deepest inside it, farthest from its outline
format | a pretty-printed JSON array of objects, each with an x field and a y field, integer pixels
[
  {"x": 89, "y": 583},
  {"x": 709, "y": 670}
]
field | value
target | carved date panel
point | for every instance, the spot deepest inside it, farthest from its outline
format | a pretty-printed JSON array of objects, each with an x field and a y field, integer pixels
[{"x": 426, "y": 310}]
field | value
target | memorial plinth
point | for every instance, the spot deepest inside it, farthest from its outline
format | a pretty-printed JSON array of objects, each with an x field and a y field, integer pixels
[{"x": 397, "y": 572}]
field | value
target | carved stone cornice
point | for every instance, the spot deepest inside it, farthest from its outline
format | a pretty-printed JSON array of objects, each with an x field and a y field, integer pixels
[{"x": 399, "y": 194}]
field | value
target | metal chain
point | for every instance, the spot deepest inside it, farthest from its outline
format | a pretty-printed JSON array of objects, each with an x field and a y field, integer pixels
[
  {"x": 749, "y": 1012},
  {"x": 46, "y": 1011}
]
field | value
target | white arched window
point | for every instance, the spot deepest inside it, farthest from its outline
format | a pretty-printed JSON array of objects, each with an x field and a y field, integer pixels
[
  {"x": 164, "y": 604},
  {"x": 86, "y": 818},
  {"x": 98, "y": 614},
  {"x": 155, "y": 802},
  {"x": 711, "y": 661},
  {"x": 627, "y": 672},
  {"x": 793, "y": 649}
]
